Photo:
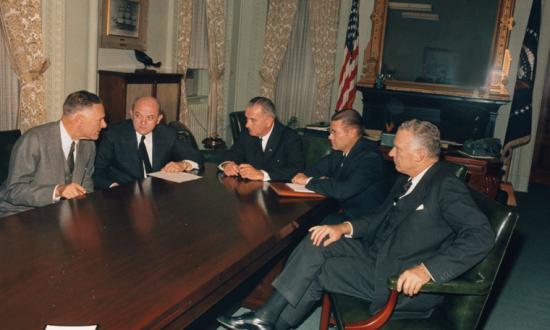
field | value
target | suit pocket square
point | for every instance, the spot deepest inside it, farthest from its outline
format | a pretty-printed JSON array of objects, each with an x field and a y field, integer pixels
[{"x": 420, "y": 207}]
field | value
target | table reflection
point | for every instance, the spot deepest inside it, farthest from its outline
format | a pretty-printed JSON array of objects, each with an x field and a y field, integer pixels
[
  {"x": 141, "y": 210},
  {"x": 251, "y": 208},
  {"x": 80, "y": 225}
]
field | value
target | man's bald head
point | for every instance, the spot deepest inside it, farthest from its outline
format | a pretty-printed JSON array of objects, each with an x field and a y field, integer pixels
[{"x": 146, "y": 114}]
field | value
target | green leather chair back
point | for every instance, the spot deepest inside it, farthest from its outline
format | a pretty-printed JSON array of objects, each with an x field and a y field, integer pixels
[
  {"x": 7, "y": 140},
  {"x": 465, "y": 297},
  {"x": 315, "y": 148},
  {"x": 460, "y": 171},
  {"x": 465, "y": 311}
]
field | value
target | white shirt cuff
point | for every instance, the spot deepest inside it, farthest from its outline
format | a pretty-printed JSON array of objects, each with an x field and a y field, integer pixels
[
  {"x": 308, "y": 179},
  {"x": 222, "y": 164},
  {"x": 194, "y": 165},
  {"x": 350, "y": 235},
  {"x": 427, "y": 270},
  {"x": 266, "y": 176},
  {"x": 55, "y": 199}
]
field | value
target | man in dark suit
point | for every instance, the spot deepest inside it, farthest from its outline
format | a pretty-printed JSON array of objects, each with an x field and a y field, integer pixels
[
  {"x": 267, "y": 150},
  {"x": 54, "y": 160},
  {"x": 131, "y": 149},
  {"x": 352, "y": 173},
  {"x": 427, "y": 229}
]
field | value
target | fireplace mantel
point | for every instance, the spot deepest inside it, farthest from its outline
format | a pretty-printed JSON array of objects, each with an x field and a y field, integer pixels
[{"x": 458, "y": 118}]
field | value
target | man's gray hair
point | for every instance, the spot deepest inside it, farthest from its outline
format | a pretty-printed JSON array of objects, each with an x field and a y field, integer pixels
[
  {"x": 426, "y": 135},
  {"x": 266, "y": 104},
  {"x": 78, "y": 101}
]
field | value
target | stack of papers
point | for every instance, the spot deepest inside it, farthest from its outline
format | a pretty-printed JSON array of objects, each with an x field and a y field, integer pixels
[
  {"x": 175, "y": 177},
  {"x": 65, "y": 327},
  {"x": 299, "y": 188}
]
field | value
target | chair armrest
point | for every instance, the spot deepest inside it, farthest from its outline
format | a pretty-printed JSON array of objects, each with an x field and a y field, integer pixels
[{"x": 475, "y": 287}]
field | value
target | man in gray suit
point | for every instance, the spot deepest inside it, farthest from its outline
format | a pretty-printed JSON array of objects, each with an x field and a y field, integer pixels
[
  {"x": 56, "y": 160},
  {"x": 428, "y": 229}
]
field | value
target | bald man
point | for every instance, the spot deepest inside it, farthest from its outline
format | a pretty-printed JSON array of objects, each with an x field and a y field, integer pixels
[{"x": 131, "y": 149}]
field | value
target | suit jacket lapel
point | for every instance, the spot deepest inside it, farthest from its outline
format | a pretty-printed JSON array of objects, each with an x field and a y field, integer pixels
[
  {"x": 273, "y": 142},
  {"x": 344, "y": 162},
  {"x": 157, "y": 149},
  {"x": 129, "y": 143},
  {"x": 409, "y": 203},
  {"x": 55, "y": 149}
]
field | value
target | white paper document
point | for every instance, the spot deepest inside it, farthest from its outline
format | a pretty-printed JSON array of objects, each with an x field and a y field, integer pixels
[
  {"x": 175, "y": 177},
  {"x": 299, "y": 188},
  {"x": 64, "y": 327}
]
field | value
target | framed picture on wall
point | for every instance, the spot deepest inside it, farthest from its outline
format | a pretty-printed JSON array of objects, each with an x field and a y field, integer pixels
[{"x": 123, "y": 24}]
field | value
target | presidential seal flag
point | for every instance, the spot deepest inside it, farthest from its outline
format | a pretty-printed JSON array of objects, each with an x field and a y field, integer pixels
[
  {"x": 519, "y": 123},
  {"x": 348, "y": 73}
]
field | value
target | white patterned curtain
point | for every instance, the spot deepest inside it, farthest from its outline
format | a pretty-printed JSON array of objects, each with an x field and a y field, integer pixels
[
  {"x": 216, "y": 60},
  {"x": 184, "y": 45},
  {"x": 21, "y": 22},
  {"x": 323, "y": 27},
  {"x": 295, "y": 93},
  {"x": 280, "y": 17},
  {"x": 9, "y": 91},
  {"x": 198, "y": 57}
]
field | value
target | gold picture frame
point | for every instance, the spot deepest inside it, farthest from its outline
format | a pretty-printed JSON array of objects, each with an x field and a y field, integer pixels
[
  {"x": 123, "y": 24},
  {"x": 495, "y": 87}
]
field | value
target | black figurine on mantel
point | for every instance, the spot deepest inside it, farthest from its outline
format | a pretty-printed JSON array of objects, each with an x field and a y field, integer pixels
[{"x": 146, "y": 60}]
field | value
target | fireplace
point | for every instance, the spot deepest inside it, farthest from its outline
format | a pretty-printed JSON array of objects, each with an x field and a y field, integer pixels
[{"x": 458, "y": 118}]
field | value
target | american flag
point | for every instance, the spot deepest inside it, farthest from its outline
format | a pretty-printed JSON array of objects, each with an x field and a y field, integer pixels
[{"x": 348, "y": 73}]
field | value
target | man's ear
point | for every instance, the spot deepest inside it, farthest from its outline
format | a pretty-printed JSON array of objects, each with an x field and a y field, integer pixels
[
  {"x": 78, "y": 118},
  {"x": 160, "y": 118},
  {"x": 420, "y": 154}
]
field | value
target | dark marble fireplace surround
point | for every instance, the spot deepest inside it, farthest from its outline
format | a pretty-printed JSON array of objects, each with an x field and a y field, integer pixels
[{"x": 458, "y": 118}]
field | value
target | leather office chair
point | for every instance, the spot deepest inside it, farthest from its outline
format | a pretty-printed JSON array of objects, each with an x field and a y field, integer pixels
[
  {"x": 184, "y": 134},
  {"x": 460, "y": 171},
  {"x": 7, "y": 140},
  {"x": 315, "y": 148},
  {"x": 237, "y": 120},
  {"x": 465, "y": 298}
]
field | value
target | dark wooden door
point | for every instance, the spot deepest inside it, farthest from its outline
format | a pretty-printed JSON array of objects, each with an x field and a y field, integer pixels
[{"x": 540, "y": 168}]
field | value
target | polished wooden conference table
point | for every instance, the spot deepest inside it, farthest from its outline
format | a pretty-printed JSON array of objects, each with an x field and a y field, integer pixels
[{"x": 153, "y": 254}]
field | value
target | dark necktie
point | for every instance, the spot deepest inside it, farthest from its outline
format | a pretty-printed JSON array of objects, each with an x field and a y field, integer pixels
[
  {"x": 261, "y": 143},
  {"x": 403, "y": 190},
  {"x": 144, "y": 157},
  {"x": 70, "y": 164}
]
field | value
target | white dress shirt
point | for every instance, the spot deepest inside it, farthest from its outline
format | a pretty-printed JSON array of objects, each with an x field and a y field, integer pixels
[{"x": 265, "y": 139}]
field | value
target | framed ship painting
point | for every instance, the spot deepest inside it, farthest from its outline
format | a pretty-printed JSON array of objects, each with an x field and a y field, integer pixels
[{"x": 123, "y": 24}]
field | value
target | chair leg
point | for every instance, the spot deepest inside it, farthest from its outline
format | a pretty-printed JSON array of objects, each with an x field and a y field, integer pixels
[{"x": 325, "y": 313}]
